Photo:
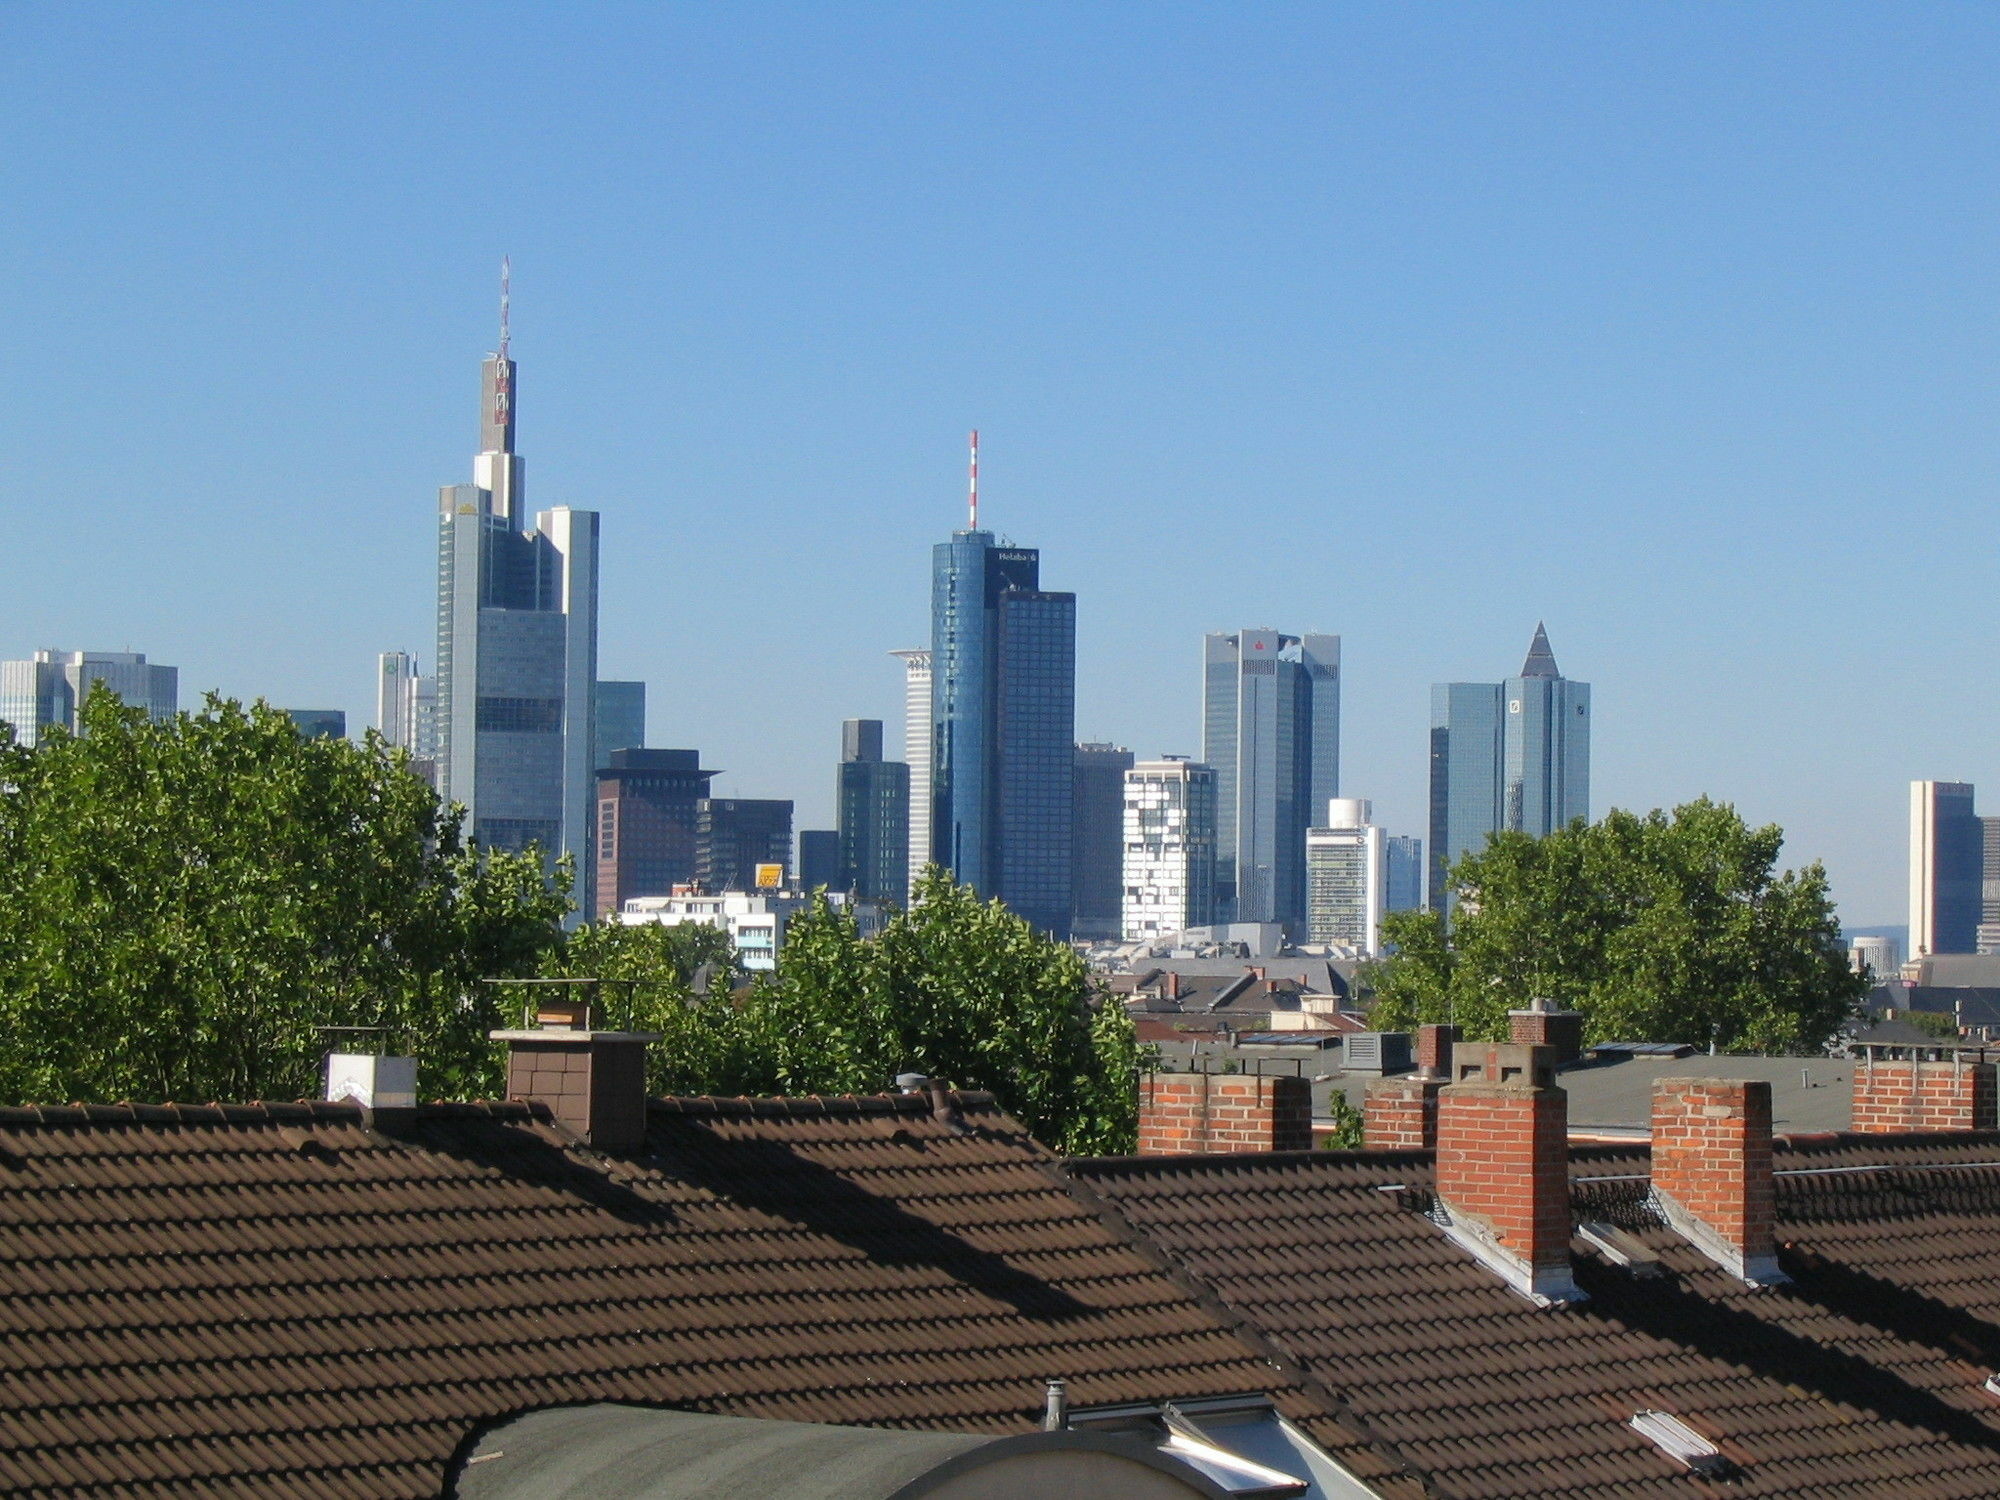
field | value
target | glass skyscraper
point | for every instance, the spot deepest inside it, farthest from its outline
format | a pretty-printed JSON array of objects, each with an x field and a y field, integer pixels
[
  {"x": 47, "y": 691},
  {"x": 1271, "y": 731},
  {"x": 1947, "y": 868},
  {"x": 1506, "y": 755},
  {"x": 1097, "y": 850},
  {"x": 872, "y": 798},
  {"x": 1003, "y": 713},
  {"x": 517, "y": 647}
]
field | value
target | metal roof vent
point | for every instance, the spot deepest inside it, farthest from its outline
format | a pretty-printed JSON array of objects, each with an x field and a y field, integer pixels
[
  {"x": 1681, "y": 1443},
  {"x": 1376, "y": 1052}
]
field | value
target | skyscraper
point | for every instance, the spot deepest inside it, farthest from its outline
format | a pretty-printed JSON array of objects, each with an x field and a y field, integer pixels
[
  {"x": 647, "y": 815},
  {"x": 620, "y": 722},
  {"x": 1403, "y": 880},
  {"x": 1169, "y": 855},
  {"x": 735, "y": 836},
  {"x": 872, "y": 801},
  {"x": 917, "y": 753},
  {"x": 1271, "y": 730},
  {"x": 47, "y": 691},
  {"x": 1098, "y": 850},
  {"x": 1508, "y": 755},
  {"x": 517, "y": 644},
  {"x": 1947, "y": 860},
  {"x": 819, "y": 859},
  {"x": 1003, "y": 711},
  {"x": 1346, "y": 876}
]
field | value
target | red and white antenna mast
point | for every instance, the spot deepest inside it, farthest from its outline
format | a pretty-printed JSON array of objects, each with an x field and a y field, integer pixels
[
  {"x": 506, "y": 278},
  {"x": 972, "y": 491}
]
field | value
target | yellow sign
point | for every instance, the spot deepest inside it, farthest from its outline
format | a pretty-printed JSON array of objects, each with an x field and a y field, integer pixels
[{"x": 770, "y": 875}]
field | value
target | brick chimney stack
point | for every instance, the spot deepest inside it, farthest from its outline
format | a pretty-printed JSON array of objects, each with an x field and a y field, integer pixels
[
  {"x": 1712, "y": 1171},
  {"x": 1893, "y": 1095},
  {"x": 1401, "y": 1113},
  {"x": 593, "y": 1081},
  {"x": 1190, "y": 1113},
  {"x": 1503, "y": 1166},
  {"x": 1542, "y": 1024}
]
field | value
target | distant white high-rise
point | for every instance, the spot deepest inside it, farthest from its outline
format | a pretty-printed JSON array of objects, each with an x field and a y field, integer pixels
[
  {"x": 1170, "y": 848},
  {"x": 1947, "y": 859},
  {"x": 917, "y": 751},
  {"x": 1346, "y": 877},
  {"x": 517, "y": 645},
  {"x": 406, "y": 711},
  {"x": 47, "y": 691}
]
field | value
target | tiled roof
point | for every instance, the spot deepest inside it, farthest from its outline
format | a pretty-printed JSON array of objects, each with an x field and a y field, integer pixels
[
  {"x": 1861, "y": 1379},
  {"x": 279, "y": 1300}
]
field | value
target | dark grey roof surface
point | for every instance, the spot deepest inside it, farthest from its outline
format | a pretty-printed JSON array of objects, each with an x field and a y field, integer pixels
[
  {"x": 1541, "y": 660},
  {"x": 1808, "y": 1094},
  {"x": 612, "y": 1452}
]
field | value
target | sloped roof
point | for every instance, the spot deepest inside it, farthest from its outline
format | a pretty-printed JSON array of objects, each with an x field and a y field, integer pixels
[
  {"x": 279, "y": 1300},
  {"x": 1861, "y": 1379},
  {"x": 1541, "y": 660}
]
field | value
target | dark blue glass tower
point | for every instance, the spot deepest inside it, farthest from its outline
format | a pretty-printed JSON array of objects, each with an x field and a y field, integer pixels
[{"x": 1003, "y": 714}]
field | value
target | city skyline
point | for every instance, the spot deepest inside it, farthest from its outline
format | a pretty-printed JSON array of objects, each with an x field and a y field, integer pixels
[{"x": 1655, "y": 325}]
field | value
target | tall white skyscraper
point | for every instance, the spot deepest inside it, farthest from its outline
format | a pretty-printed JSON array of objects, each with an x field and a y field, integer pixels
[
  {"x": 406, "y": 711},
  {"x": 917, "y": 751},
  {"x": 48, "y": 690},
  {"x": 1346, "y": 877},
  {"x": 1169, "y": 848},
  {"x": 517, "y": 645},
  {"x": 1271, "y": 730}
]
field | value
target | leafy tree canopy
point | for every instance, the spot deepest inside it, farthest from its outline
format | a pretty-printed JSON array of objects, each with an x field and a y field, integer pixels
[
  {"x": 1667, "y": 927},
  {"x": 185, "y": 905},
  {"x": 956, "y": 988}
]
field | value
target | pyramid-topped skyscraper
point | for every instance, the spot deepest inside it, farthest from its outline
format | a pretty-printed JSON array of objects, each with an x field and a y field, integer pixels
[{"x": 1506, "y": 755}]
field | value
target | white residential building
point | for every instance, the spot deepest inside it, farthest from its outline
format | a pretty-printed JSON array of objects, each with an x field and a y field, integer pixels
[
  {"x": 1346, "y": 877},
  {"x": 1170, "y": 810},
  {"x": 755, "y": 922}
]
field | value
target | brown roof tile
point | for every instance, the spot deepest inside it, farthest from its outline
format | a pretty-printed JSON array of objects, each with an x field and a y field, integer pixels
[
  {"x": 1861, "y": 1379},
  {"x": 275, "y": 1299}
]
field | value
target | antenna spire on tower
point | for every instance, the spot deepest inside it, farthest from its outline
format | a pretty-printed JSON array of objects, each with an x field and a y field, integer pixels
[
  {"x": 972, "y": 493},
  {"x": 506, "y": 278}
]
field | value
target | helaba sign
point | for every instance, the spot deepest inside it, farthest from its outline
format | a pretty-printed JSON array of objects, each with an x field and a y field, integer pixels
[{"x": 1017, "y": 555}]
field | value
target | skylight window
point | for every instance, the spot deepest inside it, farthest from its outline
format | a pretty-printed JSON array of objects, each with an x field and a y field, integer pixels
[{"x": 1681, "y": 1442}]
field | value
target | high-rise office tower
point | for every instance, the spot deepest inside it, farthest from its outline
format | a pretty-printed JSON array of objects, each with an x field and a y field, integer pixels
[
  {"x": 517, "y": 645},
  {"x": 1003, "y": 712},
  {"x": 872, "y": 802},
  {"x": 738, "y": 839},
  {"x": 647, "y": 816},
  {"x": 1508, "y": 755},
  {"x": 406, "y": 711},
  {"x": 1097, "y": 807},
  {"x": 1346, "y": 876},
  {"x": 1271, "y": 730},
  {"x": 620, "y": 722},
  {"x": 1947, "y": 868},
  {"x": 1169, "y": 854},
  {"x": 1403, "y": 880},
  {"x": 319, "y": 723},
  {"x": 819, "y": 859},
  {"x": 917, "y": 753},
  {"x": 47, "y": 691}
]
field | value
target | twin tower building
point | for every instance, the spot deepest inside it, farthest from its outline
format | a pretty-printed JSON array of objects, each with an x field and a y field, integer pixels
[{"x": 509, "y": 720}]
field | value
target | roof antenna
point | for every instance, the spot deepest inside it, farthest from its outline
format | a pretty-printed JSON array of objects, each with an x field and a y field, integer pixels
[
  {"x": 506, "y": 278},
  {"x": 972, "y": 494}
]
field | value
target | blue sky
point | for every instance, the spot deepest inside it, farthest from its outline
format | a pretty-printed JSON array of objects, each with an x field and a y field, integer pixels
[{"x": 1673, "y": 326}]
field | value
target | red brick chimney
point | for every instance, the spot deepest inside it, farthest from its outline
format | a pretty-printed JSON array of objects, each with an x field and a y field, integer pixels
[
  {"x": 1191, "y": 1113},
  {"x": 1712, "y": 1171},
  {"x": 1400, "y": 1113},
  {"x": 1893, "y": 1095},
  {"x": 1503, "y": 1166},
  {"x": 1434, "y": 1044},
  {"x": 1543, "y": 1025},
  {"x": 593, "y": 1081}
]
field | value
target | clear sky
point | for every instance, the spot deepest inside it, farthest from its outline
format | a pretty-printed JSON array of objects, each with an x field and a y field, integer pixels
[{"x": 1674, "y": 326}]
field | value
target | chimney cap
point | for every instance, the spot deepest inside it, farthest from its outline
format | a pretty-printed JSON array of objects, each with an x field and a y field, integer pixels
[{"x": 912, "y": 1083}]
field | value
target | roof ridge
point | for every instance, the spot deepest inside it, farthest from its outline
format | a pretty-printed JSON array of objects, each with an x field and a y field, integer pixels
[{"x": 811, "y": 1106}]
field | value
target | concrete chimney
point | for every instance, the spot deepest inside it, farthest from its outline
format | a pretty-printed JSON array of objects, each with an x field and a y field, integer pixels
[
  {"x": 1712, "y": 1171},
  {"x": 593, "y": 1081},
  {"x": 1503, "y": 1166}
]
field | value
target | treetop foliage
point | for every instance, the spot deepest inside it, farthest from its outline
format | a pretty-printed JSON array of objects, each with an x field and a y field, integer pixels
[
  {"x": 186, "y": 907},
  {"x": 1667, "y": 927}
]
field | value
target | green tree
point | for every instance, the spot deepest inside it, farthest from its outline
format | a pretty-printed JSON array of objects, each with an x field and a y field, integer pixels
[
  {"x": 956, "y": 988},
  {"x": 1667, "y": 927},
  {"x": 185, "y": 905}
]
